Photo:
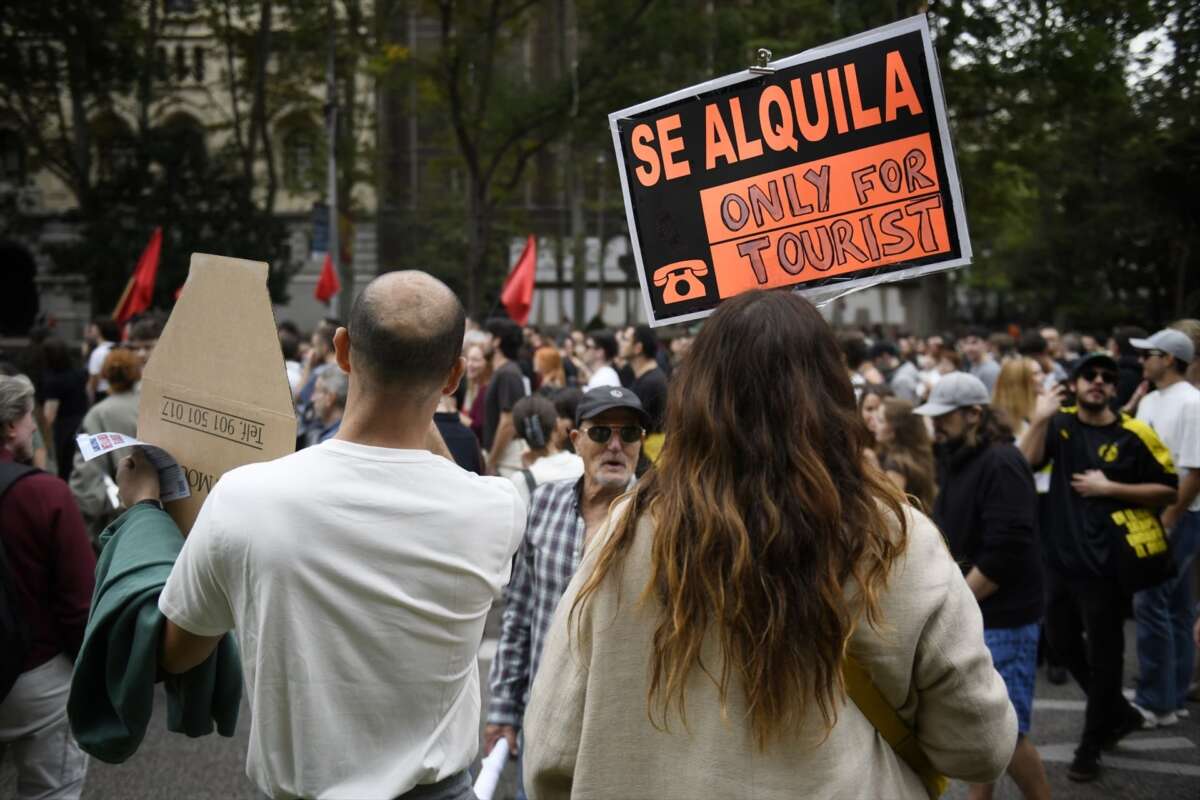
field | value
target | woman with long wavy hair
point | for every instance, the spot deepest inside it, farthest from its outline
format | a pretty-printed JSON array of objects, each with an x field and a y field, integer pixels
[{"x": 699, "y": 650}]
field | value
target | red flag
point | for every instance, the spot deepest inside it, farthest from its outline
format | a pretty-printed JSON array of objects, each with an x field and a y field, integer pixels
[
  {"x": 139, "y": 292},
  {"x": 517, "y": 294},
  {"x": 328, "y": 284}
]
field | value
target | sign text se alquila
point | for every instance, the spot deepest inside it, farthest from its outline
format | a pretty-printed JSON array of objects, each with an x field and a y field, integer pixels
[{"x": 836, "y": 167}]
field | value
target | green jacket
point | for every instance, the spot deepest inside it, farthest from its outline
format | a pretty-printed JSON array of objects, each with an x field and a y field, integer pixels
[{"x": 112, "y": 690}]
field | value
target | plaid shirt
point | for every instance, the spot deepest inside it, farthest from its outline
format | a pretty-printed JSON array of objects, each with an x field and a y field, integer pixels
[{"x": 545, "y": 562}]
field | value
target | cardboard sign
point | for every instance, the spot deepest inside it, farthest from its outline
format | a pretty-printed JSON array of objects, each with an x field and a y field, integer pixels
[
  {"x": 215, "y": 394},
  {"x": 831, "y": 171}
]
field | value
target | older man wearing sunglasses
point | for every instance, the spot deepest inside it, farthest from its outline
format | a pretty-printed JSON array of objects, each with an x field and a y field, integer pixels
[
  {"x": 610, "y": 425},
  {"x": 1102, "y": 541}
]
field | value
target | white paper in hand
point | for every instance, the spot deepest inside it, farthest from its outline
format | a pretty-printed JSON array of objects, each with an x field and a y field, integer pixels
[
  {"x": 172, "y": 481},
  {"x": 490, "y": 769}
]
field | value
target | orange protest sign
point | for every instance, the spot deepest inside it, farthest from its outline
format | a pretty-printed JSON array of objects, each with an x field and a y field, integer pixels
[{"x": 833, "y": 169}]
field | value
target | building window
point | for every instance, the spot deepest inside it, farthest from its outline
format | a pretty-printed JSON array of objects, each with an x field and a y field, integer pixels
[
  {"x": 12, "y": 157},
  {"x": 115, "y": 150},
  {"x": 300, "y": 169},
  {"x": 179, "y": 6}
]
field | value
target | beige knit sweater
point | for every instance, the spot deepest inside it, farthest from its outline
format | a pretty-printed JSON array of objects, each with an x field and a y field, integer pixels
[{"x": 587, "y": 734}]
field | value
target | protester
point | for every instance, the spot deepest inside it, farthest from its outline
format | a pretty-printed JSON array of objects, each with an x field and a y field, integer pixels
[
  {"x": 1129, "y": 364},
  {"x": 1033, "y": 346},
  {"x": 980, "y": 363},
  {"x": 536, "y": 420},
  {"x": 472, "y": 395},
  {"x": 329, "y": 404},
  {"x": 566, "y": 403},
  {"x": 356, "y": 575},
  {"x": 601, "y": 351},
  {"x": 289, "y": 344},
  {"x": 856, "y": 357},
  {"x": 674, "y": 668},
  {"x": 1192, "y": 328},
  {"x": 1002, "y": 346},
  {"x": 459, "y": 439},
  {"x": 506, "y": 387},
  {"x": 144, "y": 334},
  {"x": 64, "y": 390},
  {"x": 1165, "y": 613},
  {"x": 548, "y": 365},
  {"x": 870, "y": 405},
  {"x": 901, "y": 376},
  {"x": 1053, "y": 343},
  {"x": 649, "y": 383},
  {"x": 904, "y": 451},
  {"x": 1111, "y": 473},
  {"x": 321, "y": 357},
  {"x": 987, "y": 508},
  {"x": 51, "y": 564},
  {"x": 91, "y": 481},
  {"x": 563, "y": 517},
  {"x": 102, "y": 335},
  {"x": 1020, "y": 382}
]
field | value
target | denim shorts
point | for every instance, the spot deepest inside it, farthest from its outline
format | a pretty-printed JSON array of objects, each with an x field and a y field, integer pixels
[{"x": 1014, "y": 654}]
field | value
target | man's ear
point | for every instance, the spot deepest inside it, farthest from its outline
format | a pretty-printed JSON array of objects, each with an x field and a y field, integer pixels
[
  {"x": 455, "y": 376},
  {"x": 341, "y": 348}
]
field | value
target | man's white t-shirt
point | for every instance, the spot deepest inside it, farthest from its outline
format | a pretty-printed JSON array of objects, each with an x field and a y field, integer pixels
[
  {"x": 1174, "y": 413},
  {"x": 604, "y": 376},
  {"x": 96, "y": 362},
  {"x": 357, "y": 580},
  {"x": 558, "y": 467}
]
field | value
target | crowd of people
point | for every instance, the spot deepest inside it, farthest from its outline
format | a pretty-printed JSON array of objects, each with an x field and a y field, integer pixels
[{"x": 696, "y": 540}]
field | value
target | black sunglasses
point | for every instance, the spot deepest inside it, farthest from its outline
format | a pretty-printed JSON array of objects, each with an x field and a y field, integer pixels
[
  {"x": 600, "y": 434},
  {"x": 1090, "y": 375}
]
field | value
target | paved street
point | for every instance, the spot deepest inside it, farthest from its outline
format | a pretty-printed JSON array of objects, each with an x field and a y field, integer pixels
[{"x": 1162, "y": 764}]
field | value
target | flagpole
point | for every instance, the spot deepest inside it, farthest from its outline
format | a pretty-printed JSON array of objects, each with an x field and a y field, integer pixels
[{"x": 331, "y": 111}]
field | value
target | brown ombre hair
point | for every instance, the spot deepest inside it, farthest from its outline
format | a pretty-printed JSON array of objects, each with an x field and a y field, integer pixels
[{"x": 763, "y": 511}]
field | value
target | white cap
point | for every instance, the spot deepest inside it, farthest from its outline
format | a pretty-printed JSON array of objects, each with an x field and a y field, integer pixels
[
  {"x": 956, "y": 390},
  {"x": 1169, "y": 340}
]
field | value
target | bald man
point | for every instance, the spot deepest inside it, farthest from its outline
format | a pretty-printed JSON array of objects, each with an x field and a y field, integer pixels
[{"x": 356, "y": 574}]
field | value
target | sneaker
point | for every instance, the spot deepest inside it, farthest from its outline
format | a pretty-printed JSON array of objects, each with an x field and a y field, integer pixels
[
  {"x": 1134, "y": 721},
  {"x": 1085, "y": 767},
  {"x": 1183, "y": 713},
  {"x": 1156, "y": 720}
]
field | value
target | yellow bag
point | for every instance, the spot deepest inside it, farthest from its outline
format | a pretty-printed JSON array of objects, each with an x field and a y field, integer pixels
[{"x": 891, "y": 727}]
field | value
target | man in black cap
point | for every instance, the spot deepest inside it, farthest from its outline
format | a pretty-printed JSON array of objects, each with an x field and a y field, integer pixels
[
  {"x": 610, "y": 425},
  {"x": 1111, "y": 477}
]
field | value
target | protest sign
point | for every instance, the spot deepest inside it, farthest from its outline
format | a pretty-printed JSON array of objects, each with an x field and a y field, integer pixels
[
  {"x": 829, "y": 171},
  {"x": 215, "y": 394}
]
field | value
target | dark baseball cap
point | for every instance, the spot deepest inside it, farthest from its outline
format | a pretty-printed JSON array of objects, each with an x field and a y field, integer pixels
[
  {"x": 1093, "y": 360},
  {"x": 603, "y": 398}
]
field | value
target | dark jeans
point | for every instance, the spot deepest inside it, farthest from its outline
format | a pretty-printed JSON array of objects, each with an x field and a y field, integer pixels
[{"x": 1095, "y": 606}]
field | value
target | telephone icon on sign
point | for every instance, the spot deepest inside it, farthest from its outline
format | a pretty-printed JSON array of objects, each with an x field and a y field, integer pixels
[{"x": 681, "y": 280}]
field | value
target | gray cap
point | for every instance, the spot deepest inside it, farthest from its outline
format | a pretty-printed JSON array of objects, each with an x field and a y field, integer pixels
[
  {"x": 1169, "y": 340},
  {"x": 955, "y": 390}
]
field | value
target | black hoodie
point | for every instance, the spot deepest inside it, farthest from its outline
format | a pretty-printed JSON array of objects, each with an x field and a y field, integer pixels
[{"x": 987, "y": 509}]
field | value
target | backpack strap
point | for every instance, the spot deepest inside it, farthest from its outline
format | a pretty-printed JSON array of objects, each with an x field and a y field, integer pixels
[
  {"x": 891, "y": 727},
  {"x": 530, "y": 481},
  {"x": 11, "y": 472}
]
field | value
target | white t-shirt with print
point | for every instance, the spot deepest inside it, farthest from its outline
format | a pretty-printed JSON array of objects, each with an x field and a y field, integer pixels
[
  {"x": 357, "y": 580},
  {"x": 1174, "y": 413}
]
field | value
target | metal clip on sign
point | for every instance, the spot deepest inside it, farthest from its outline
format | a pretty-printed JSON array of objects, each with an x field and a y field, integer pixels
[{"x": 764, "y": 60}]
